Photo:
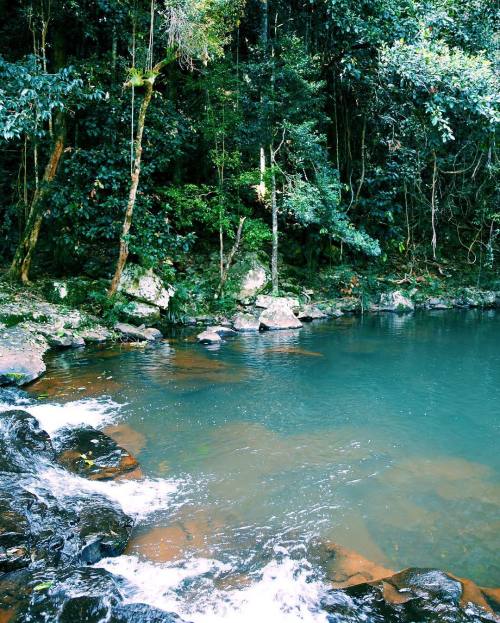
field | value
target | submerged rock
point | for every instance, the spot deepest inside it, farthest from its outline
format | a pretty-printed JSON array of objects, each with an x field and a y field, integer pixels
[
  {"x": 395, "y": 302},
  {"x": 92, "y": 454},
  {"x": 279, "y": 316},
  {"x": 245, "y": 323},
  {"x": 21, "y": 356},
  {"x": 208, "y": 337},
  {"x": 142, "y": 284}
]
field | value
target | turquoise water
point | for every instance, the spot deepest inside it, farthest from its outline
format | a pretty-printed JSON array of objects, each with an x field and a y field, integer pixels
[{"x": 379, "y": 433}]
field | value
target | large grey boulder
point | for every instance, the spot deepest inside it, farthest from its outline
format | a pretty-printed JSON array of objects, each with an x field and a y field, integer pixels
[
  {"x": 246, "y": 323},
  {"x": 265, "y": 301},
  {"x": 395, "y": 302},
  {"x": 141, "y": 313},
  {"x": 21, "y": 356},
  {"x": 307, "y": 313},
  {"x": 209, "y": 337},
  {"x": 130, "y": 333},
  {"x": 471, "y": 297},
  {"x": 142, "y": 284},
  {"x": 279, "y": 316},
  {"x": 253, "y": 281}
]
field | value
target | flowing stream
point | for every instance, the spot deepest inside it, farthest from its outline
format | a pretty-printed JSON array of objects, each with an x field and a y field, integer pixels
[{"x": 379, "y": 433}]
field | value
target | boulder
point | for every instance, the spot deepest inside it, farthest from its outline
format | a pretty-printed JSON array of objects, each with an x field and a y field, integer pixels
[
  {"x": 279, "y": 316},
  {"x": 221, "y": 330},
  {"x": 208, "y": 337},
  {"x": 253, "y": 281},
  {"x": 307, "y": 313},
  {"x": 96, "y": 335},
  {"x": 395, "y": 302},
  {"x": 78, "y": 595},
  {"x": 438, "y": 303},
  {"x": 21, "y": 356},
  {"x": 265, "y": 301},
  {"x": 246, "y": 323},
  {"x": 472, "y": 297},
  {"x": 425, "y": 595},
  {"x": 92, "y": 454},
  {"x": 21, "y": 441},
  {"x": 140, "y": 313},
  {"x": 130, "y": 333},
  {"x": 142, "y": 284}
]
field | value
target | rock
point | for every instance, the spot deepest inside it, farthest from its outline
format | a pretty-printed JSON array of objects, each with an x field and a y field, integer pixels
[
  {"x": 396, "y": 302},
  {"x": 471, "y": 297},
  {"x": 346, "y": 567},
  {"x": 209, "y": 337},
  {"x": 265, "y": 301},
  {"x": 92, "y": 454},
  {"x": 141, "y": 313},
  {"x": 221, "y": 331},
  {"x": 21, "y": 440},
  {"x": 307, "y": 313},
  {"x": 142, "y": 284},
  {"x": 21, "y": 356},
  {"x": 79, "y": 595},
  {"x": 438, "y": 303},
  {"x": 245, "y": 323},
  {"x": 96, "y": 335},
  {"x": 425, "y": 595},
  {"x": 253, "y": 281},
  {"x": 279, "y": 316},
  {"x": 130, "y": 333}
]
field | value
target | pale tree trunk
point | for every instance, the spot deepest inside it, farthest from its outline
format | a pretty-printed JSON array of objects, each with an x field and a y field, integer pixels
[
  {"x": 274, "y": 219},
  {"x": 20, "y": 267},
  {"x": 136, "y": 171},
  {"x": 433, "y": 207},
  {"x": 231, "y": 256},
  {"x": 264, "y": 28}
]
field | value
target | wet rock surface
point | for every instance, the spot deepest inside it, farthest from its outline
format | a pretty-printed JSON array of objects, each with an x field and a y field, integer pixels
[
  {"x": 243, "y": 322},
  {"x": 78, "y": 595},
  {"x": 208, "y": 337},
  {"x": 131, "y": 333},
  {"x": 92, "y": 454},
  {"x": 21, "y": 356},
  {"x": 364, "y": 591}
]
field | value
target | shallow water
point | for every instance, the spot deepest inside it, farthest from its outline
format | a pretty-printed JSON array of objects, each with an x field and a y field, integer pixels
[{"x": 378, "y": 433}]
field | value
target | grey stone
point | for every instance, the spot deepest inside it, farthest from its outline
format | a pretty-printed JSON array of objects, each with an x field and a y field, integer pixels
[
  {"x": 311, "y": 312},
  {"x": 395, "y": 302},
  {"x": 279, "y": 316},
  {"x": 265, "y": 301},
  {"x": 246, "y": 323},
  {"x": 21, "y": 356},
  {"x": 253, "y": 281},
  {"x": 142, "y": 284},
  {"x": 131, "y": 333},
  {"x": 209, "y": 337},
  {"x": 221, "y": 330},
  {"x": 141, "y": 313}
]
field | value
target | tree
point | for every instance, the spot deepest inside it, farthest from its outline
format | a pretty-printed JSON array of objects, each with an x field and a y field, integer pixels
[{"x": 193, "y": 31}]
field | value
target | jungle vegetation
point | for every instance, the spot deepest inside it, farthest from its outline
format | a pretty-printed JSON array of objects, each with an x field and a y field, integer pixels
[{"x": 182, "y": 134}]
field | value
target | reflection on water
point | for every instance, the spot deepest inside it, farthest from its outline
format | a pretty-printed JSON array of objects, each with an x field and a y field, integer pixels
[{"x": 380, "y": 434}]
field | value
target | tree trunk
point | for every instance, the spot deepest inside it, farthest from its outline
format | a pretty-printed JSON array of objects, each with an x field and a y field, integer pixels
[
  {"x": 20, "y": 267},
  {"x": 274, "y": 218},
  {"x": 136, "y": 171},
  {"x": 231, "y": 256}
]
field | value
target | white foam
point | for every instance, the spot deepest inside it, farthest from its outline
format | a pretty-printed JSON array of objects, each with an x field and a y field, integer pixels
[
  {"x": 282, "y": 592},
  {"x": 138, "y": 498},
  {"x": 91, "y": 412}
]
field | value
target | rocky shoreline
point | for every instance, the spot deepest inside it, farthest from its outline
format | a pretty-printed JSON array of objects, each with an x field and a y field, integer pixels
[
  {"x": 31, "y": 326},
  {"x": 51, "y": 536}
]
